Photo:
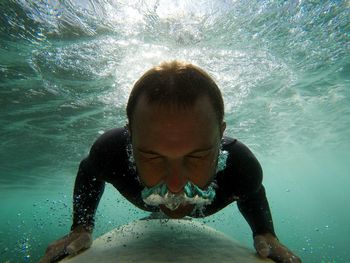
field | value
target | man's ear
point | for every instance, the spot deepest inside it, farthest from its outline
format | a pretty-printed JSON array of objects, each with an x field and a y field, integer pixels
[
  {"x": 127, "y": 127},
  {"x": 222, "y": 129}
]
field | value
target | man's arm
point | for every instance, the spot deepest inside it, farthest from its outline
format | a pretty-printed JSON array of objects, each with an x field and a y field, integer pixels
[
  {"x": 256, "y": 211},
  {"x": 244, "y": 178},
  {"x": 247, "y": 184},
  {"x": 87, "y": 194}
]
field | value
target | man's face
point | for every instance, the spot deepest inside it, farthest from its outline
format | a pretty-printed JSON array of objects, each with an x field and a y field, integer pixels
[{"x": 173, "y": 145}]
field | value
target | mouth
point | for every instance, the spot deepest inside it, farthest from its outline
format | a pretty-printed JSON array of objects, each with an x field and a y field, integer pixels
[
  {"x": 173, "y": 201},
  {"x": 192, "y": 194}
]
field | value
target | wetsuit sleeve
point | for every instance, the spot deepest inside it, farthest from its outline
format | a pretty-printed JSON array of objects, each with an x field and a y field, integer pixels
[
  {"x": 87, "y": 194},
  {"x": 247, "y": 185},
  {"x": 105, "y": 163},
  {"x": 256, "y": 211}
]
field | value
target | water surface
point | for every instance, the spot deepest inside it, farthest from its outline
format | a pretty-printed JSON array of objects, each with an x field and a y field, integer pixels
[{"x": 67, "y": 67}]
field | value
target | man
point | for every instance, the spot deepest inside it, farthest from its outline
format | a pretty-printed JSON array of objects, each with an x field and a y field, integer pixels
[{"x": 172, "y": 157}]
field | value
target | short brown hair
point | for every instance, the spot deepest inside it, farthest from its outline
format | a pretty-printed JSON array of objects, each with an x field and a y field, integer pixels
[{"x": 176, "y": 83}]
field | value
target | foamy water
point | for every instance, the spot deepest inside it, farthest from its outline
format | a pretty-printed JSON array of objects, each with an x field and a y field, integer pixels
[{"x": 66, "y": 70}]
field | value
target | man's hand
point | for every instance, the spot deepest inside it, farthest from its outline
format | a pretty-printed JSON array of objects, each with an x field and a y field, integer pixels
[
  {"x": 78, "y": 239},
  {"x": 268, "y": 245}
]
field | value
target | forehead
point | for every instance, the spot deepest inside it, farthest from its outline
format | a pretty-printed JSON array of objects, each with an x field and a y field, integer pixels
[
  {"x": 193, "y": 126},
  {"x": 200, "y": 110}
]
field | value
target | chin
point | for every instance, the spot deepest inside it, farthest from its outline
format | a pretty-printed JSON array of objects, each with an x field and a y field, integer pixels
[{"x": 180, "y": 212}]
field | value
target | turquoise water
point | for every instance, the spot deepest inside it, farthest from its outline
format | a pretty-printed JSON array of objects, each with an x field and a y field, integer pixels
[{"x": 66, "y": 69}]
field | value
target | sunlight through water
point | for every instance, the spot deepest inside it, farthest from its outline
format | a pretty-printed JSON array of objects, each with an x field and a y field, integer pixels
[{"x": 67, "y": 68}]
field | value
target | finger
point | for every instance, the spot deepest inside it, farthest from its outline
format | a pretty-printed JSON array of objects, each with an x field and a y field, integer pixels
[
  {"x": 61, "y": 243},
  {"x": 59, "y": 256},
  {"x": 56, "y": 250},
  {"x": 44, "y": 259},
  {"x": 294, "y": 259},
  {"x": 291, "y": 259},
  {"x": 53, "y": 256},
  {"x": 284, "y": 255},
  {"x": 82, "y": 242},
  {"x": 261, "y": 246}
]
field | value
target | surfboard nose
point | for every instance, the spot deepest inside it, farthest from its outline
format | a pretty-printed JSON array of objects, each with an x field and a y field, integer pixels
[{"x": 166, "y": 240}]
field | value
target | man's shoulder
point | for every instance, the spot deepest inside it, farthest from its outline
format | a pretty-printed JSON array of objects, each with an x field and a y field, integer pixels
[
  {"x": 236, "y": 147},
  {"x": 243, "y": 173},
  {"x": 111, "y": 142},
  {"x": 113, "y": 136},
  {"x": 108, "y": 156},
  {"x": 240, "y": 157}
]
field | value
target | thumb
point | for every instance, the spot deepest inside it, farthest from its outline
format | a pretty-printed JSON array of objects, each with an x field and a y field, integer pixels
[
  {"x": 261, "y": 246},
  {"x": 83, "y": 241}
]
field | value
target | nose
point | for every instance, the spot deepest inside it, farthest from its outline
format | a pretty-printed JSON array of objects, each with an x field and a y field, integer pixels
[{"x": 176, "y": 177}]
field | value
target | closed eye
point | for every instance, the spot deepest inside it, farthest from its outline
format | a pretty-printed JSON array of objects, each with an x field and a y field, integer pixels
[
  {"x": 154, "y": 157},
  {"x": 151, "y": 156},
  {"x": 195, "y": 157},
  {"x": 199, "y": 156}
]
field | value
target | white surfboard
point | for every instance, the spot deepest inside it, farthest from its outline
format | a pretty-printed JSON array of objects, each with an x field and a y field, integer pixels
[{"x": 165, "y": 240}]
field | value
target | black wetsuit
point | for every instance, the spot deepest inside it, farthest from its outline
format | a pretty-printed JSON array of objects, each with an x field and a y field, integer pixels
[{"x": 109, "y": 161}]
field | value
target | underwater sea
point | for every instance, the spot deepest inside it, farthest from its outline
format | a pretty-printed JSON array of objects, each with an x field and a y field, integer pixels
[{"x": 66, "y": 70}]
